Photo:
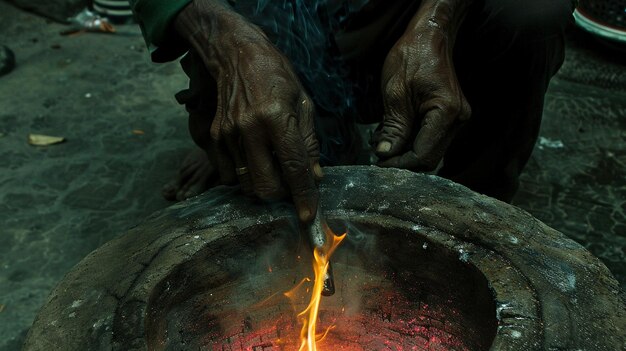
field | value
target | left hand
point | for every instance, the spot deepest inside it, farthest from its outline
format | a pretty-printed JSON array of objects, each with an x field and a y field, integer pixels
[{"x": 423, "y": 102}]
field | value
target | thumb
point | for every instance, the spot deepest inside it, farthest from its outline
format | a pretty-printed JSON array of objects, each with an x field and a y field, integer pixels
[{"x": 397, "y": 123}]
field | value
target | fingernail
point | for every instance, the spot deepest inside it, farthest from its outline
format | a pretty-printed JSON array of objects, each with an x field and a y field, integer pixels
[
  {"x": 317, "y": 170},
  {"x": 384, "y": 146}
]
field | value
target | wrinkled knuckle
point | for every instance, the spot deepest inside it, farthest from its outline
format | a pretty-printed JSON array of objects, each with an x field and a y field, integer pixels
[
  {"x": 451, "y": 108},
  {"x": 246, "y": 125},
  {"x": 274, "y": 108}
]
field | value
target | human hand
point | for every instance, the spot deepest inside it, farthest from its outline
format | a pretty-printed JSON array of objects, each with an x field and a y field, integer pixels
[
  {"x": 263, "y": 128},
  {"x": 423, "y": 102}
]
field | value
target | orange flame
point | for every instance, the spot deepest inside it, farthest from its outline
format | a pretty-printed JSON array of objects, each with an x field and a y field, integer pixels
[{"x": 308, "y": 317}]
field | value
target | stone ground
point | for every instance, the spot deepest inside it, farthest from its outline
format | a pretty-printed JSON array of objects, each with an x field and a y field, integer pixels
[{"x": 60, "y": 202}]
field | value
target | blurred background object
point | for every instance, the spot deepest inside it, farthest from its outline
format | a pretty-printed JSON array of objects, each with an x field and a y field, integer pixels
[
  {"x": 118, "y": 11},
  {"x": 603, "y": 18},
  {"x": 89, "y": 21}
]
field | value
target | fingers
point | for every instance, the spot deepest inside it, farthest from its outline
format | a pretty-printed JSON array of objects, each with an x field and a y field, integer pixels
[
  {"x": 398, "y": 120},
  {"x": 264, "y": 171},
  {"x": 292, "y": 138},
  {"x": 244, "y": 156},
  {"x": 196, "y": 174},
  {"x": 225, "y": 165},
  {"x": 196, "y": 183},
  {"x": 246, "y": 152},
  {"x": 239, "y": 158},
  {"x": 272, "y": 152},
  {"x": 230, "y": 139},
  {"x": 294, "y": 161},
  {"x": 307, "y": 131},
  {"x": 432, "y": 140}
]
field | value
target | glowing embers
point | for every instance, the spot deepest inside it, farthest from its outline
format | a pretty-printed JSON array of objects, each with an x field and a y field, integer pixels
[
  {"x": 383, "y": 319},
  {"x": 369, "y": 312},
  {"x": 392, "y": 293}
]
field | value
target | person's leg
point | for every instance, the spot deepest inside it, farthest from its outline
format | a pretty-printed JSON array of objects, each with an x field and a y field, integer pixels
[
  {"x": 505, "y": 55},
  {"x": 198, "y": 170}
]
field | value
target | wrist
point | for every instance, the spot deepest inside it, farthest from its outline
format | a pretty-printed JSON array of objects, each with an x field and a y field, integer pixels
[
  {"x": 439, "y": 17},
  {"x": 213, "y": 23},
  {"x": 215, "y": 31}
]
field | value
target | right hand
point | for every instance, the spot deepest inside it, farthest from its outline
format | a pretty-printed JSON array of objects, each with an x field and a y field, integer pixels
[
  {"x": 263, "y": 127},
  {"x": 424, "y": 104}
]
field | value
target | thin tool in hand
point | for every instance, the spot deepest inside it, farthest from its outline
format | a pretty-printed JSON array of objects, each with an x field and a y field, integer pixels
[{"x": 317, "y": 239}]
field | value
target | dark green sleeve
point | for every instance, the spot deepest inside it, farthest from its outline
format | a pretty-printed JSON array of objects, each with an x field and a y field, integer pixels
[{"x": 155, "y": 18}]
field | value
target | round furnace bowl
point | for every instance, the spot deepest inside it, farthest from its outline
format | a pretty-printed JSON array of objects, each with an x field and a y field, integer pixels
[{"x": 427, "y": 265}]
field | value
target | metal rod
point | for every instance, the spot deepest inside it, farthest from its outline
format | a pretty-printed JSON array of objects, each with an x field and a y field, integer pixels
[{"x": 317, "y": 239}]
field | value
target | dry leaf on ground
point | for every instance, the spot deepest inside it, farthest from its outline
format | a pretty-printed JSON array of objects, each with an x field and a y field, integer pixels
[{"x": 44, "y": 140}]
